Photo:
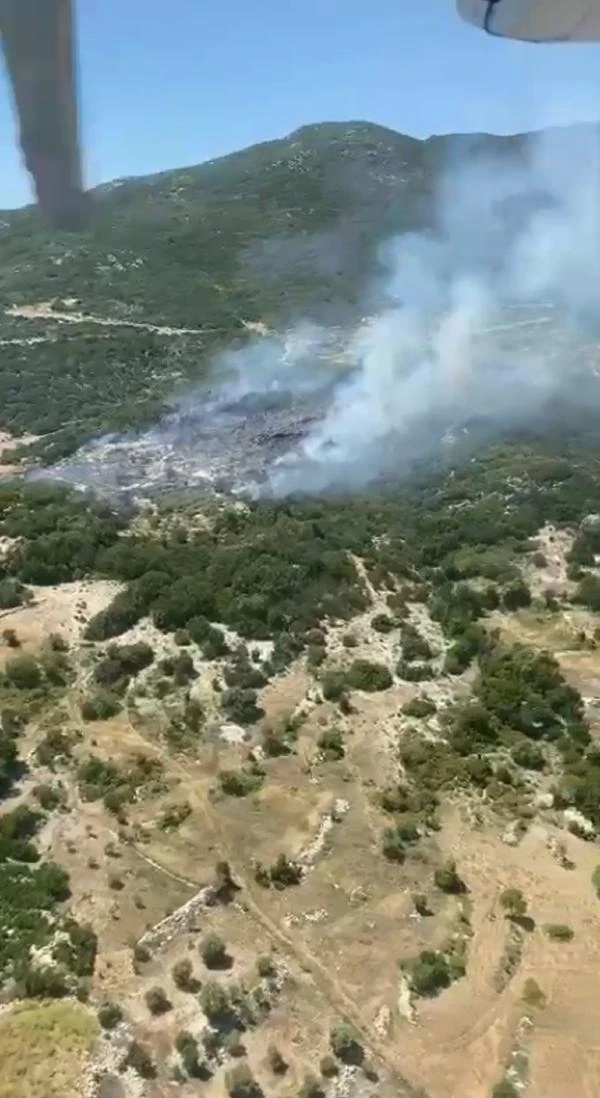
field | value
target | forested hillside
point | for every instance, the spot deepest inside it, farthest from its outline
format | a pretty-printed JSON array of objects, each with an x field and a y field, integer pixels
[
  {"x": 299, "y": 797},
  {"x": 280, "y": 232}
]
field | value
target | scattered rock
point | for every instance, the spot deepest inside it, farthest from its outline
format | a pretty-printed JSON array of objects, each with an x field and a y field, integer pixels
[
  {"x": 543, "y": 800},
  {"x": 590, "y": 522},
  {"x": 513, "y": 834},
  {"x": 404, "y": 1001},
  {"x": 383, "y": 1022},
  {"x": 339, "y": 810},
  {"x": 232, "y": 733},
  {"x": 578, "y": 823},
  {"x": 180, "y": 921}
]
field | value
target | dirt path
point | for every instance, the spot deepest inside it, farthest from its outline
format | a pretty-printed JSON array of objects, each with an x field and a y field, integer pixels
[
  {"x": 325, "y": 982},
  {"x": 45, "y": 311}
]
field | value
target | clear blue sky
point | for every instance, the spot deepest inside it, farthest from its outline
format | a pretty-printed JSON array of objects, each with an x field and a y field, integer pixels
[{"x": 173, "y": 82}]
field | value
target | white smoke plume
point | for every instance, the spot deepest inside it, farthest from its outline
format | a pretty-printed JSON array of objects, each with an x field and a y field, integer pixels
[
  {"x": 480, "y": 318},
  {"x": 487, "y": 317}
]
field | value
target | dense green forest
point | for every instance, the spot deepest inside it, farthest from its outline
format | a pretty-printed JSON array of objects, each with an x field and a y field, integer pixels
[{"x": 283, "y": 570}]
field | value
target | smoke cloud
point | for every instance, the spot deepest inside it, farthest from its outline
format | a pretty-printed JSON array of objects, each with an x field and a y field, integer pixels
[{"x": 487, "y": 316}]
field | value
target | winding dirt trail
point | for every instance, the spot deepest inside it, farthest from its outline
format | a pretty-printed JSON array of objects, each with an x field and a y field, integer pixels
[{"x": 45, "y": 311}]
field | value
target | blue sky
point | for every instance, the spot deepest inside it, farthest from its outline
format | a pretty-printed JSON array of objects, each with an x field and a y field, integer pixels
[{"x": 166, "y": 84}]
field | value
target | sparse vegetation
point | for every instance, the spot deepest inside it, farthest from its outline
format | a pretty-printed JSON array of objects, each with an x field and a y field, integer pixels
[
  {"x": 345, "y": 1043},
  {"x": 241, "y": 1083},
  {"x": 365, "y": 675},
  {"x": 240, "y": 783},
  {"x": 447, "y": 879},
  {"x": 139, "y": 1058},
  {"x": 311, "y": 1087},
  {"x": 276, "y": 1060},
  {"x": 214, "y": 952},
  {"x": 429, "y": 973},
  {"x": 110, "y": 1014},
  {"x": 451, "y": 544},
  {"x": 157, "y": 1001},
  {"x": 331, "y": 744},
  {"x": 329, "y": 1068},
  {"x": 265, "y": 966},
  {"x": 513, "y": 902},
  {"x": 282, "y": 874},
  {"x": 100, "y": 707},
  {"x": 419, "y": 707},
  {"x": 183, "y": 975},
  {"x": 187, "y": 1047},
  {"x": 505, "y": 1089},
  {"x": 533, "y": 994},
  {"x": 559, "y": 932}
]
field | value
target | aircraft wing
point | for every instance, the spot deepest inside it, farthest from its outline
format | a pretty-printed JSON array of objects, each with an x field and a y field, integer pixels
[
  {"x": 38, "y": 42},
  {"x": 535, "y": 20}
]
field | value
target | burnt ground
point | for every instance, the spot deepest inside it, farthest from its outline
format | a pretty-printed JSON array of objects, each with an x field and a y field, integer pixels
[
  {"x": 213, "y": 443},
  {"x": 530, "y": 368}
]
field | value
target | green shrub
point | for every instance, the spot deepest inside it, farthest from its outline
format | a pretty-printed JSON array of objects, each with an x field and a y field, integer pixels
[
  {"x": 334, "y": 686},
  {"x": 240, "y": 1083},
  {"x": 315, "y": 655},
  {"x": 414, "y": 646},
  {"x": 331, "y": 744},
  {"x": 100, "y": 707},
  {"x": 345, "y": 1043},
  {"x": 48, "y": 797},
  {"x": 139, "y": 1059},
  {"x": 513, "y": 902},
  {"x": 446, "y": 878},
  {"x": 533, "y": 994},
  {"x": 516, "y": 596},
  {"x": 505, "y": 1089},
  {"x": 328, "y": 1067},
  {"x": 265, "y": 966},
  {"x": 183, "y": 976},
  {"x": 241, "y": 706},
  {"x": 285, "y": 873},
  {"x": 214, "y": 1001},
  {"x": 392, "y": 845},
  {"x": 23, "y": 672},
  {"x": 311, "y": 1087},
  {"x": 528, "y": 755},
  {"x": 183, "y": 669},
  {"x": 559, "y": 932},
  {"x": 588, "y": 593},
  {"x": 421, "y": 904},
  {"x": 429, "y": 973},
  {"x": 239, "y": 783},
  {"x": 277, "y": 1062},
  {"x": 383, "y": 623},
  {"x": 419, "y": 707},
  {"x": 368, "y": 676},
  {"x": 187, "y": 1047},
  {"x": 110, "y": 1014},
  {"x": 214, "y": 952},
  {"x": 12, "y": 594}
]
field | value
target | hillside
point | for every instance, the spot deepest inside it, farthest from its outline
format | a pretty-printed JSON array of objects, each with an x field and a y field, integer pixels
[
  {"x": 299, "y": 797},
  {"x": 178, "y": 265},
  {"x": 304, "y": 798}
]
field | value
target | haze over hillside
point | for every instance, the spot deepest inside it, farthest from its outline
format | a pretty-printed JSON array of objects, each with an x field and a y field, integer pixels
[{"x": 181, "y": 267}]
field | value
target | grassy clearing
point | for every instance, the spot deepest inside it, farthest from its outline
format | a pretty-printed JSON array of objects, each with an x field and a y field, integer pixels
[{"x": 43, "y": 1049}]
